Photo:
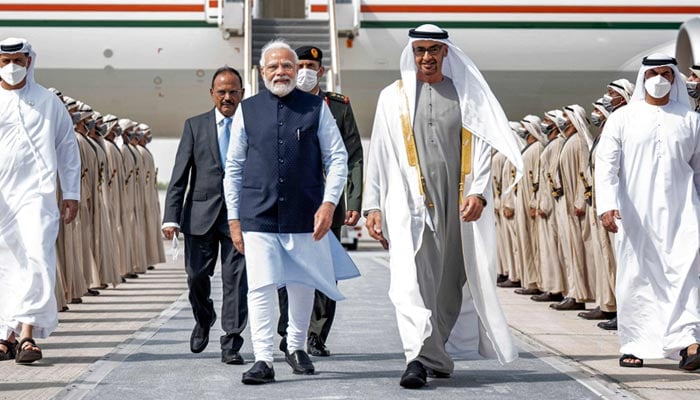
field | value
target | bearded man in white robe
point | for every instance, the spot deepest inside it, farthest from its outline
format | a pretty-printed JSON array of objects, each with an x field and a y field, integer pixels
[
  {"x": 430, "y": 151},
  {"x": 36, "y": 142},
  {"x": 647, "y": 180}
]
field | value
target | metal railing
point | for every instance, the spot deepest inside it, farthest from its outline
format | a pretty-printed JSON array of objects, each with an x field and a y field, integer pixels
[
  {"x": 249, "y": 71},
  {"x": 333, "y": 79}
]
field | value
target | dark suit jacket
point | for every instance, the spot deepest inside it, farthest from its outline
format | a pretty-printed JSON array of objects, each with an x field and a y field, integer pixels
[{"x": 198, "y": 180}]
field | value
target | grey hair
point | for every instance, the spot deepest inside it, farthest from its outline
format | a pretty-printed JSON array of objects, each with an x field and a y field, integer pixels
[{"x": 274, "y": 45}]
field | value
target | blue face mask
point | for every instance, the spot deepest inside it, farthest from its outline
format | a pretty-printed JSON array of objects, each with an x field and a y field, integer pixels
[
  {"x": 693, "y": 90},
  {"x": 597, "y": 120}
]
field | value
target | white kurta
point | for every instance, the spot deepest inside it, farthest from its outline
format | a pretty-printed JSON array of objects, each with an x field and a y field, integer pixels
[
  {"x": 279, "y": 258},
  {"x": 391, "y": 185},
  {"x": 648, "y": 168},
  {"x": 36, "y": 142}
]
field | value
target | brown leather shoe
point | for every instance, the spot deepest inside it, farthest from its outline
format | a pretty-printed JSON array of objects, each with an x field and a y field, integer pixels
[
  {"x": 548, "y": 297},
  {"x": 509, "y": 284},
  {"x": 597, "y": 313},
  {"x": 501, "y": 278},
  {"x": 569, "y": 303},
  {"x": 527, "y": 291}
]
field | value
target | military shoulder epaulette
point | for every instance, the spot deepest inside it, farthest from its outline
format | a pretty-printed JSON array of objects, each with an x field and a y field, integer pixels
[{"x": 338, "y": 97}]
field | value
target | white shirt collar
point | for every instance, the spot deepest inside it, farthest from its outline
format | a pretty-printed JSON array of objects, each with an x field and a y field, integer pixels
[{"x": 219, "y": 117}]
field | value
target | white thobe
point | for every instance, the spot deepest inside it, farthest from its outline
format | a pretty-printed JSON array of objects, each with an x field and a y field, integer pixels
[
  {"x": 648, "y": 168},
  {"x": 36, "y": 142}
]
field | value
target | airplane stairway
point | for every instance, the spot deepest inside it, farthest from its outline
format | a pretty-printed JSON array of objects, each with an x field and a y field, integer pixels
[{"x": 296, "y": 32}]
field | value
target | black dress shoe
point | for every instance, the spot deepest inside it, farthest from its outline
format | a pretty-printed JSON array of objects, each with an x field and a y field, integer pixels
[
  {"x": 528, "y": 291},
  {"x": 231, "y": 357},
  {"x": 548, "y": 297},
  {"x": 437, "y": 374},
  {"x": 300, "y": 362},
  {"x": 509, "y": 284},
  {"x": 200, "y": 337},
  {"x": 567, "y": 304},
  {"x": 501, "y": 278},
  {"x": 597, "y": 313},
  {"x": 131, "y": 275},
  {"x": 608, "y": 325},
  {"x": 316, "y": 348},
  {"x": 258, "y": 374},
  {"x": 415, "y": 376}
]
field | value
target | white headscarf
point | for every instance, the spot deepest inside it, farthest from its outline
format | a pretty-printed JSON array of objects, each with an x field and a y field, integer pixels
[
  {"x": 18, "y": 45},
  {"x": 622, "y": 86},
  {"x": 601, "y": 108},
  {"x": 556, "y": 116},
  {"x": 482, "y": 114},
  {"x": 679, "y": 92},
  {"x": 695, "y": 69},
  {"x": 514, "y": 126},
  {"x": 532, "y": 124},
  {"x": 577, "y": 116}
]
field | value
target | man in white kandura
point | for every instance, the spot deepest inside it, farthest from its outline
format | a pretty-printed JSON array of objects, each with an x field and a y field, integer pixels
[
  {"x": 36, "y": 142},
  {"x": 647, "y": 176},
  {"x": 428, "y": 198},
  {"x": 283, "y": 143}
]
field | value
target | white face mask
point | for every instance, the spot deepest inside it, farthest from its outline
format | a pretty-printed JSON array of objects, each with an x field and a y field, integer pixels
[
  {"x": 657, "y": 86},
  {"x": 307, "y": 79},
  {"x": 13, "y": 73}
]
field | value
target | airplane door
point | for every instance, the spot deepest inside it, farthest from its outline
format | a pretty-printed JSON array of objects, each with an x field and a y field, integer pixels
[{"x": 283, "y": 8}]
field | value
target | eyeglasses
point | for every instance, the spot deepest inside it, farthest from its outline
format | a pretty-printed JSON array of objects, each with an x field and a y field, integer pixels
[
  {"x": 286, "y": 67},
  {"x": 432, "y": 50},
  {"x": 232, "y": 93}
]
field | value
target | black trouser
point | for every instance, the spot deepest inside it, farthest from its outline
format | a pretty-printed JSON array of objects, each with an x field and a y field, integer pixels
[
  {"x": 322, "y": 316},
  {"x": 200, "y": 260}
]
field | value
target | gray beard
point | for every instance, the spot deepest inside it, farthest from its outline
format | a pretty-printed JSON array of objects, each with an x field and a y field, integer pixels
[{"x": 279, "y": 89}]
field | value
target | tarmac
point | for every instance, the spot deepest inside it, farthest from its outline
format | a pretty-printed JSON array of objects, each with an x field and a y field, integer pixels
[{"x": 132, "y": 342}]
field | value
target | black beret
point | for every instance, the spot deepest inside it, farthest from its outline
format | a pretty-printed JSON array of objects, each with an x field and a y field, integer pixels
[{"x": 309, "y": 53}]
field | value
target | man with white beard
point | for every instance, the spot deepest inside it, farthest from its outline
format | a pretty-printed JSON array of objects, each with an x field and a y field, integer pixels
[
  {"x": 648, "y": 177},
  {"x": 286, "y": 168}
]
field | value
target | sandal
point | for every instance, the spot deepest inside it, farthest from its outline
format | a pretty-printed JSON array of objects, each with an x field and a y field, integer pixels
[
  {"x": 689, "y": 363},
  {"x": 11, "y": 348},
  {"x": 631, "y": 364},
  {"x": 25, "y": 355}
]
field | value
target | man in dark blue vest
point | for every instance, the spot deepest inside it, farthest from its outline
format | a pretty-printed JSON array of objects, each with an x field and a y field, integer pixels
[
  {"x": 201, "y": 215},
  {"x": 346, "y": 213},
  {"x": 280, "y": 207}
]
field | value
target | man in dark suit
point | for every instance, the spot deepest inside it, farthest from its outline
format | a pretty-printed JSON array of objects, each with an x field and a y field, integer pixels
[
  {"x": 203, "y": 218},
  {"x": 310, "y": 72}
]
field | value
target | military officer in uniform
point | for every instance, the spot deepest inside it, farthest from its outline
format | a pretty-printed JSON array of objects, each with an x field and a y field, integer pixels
[{"x": 348, "y": 210}]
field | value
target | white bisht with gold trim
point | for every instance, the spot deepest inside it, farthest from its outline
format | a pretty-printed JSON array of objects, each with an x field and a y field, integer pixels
[{"x": 394, "y": 185}]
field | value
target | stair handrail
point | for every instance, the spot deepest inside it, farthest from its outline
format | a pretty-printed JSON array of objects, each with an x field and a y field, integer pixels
[
  {"x": 333, "y": 81},
  {"x": 248, "y": 75},
  {"x": 357, "y": 9}
]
